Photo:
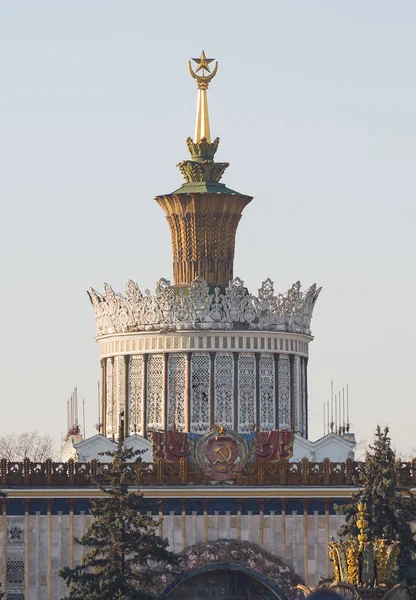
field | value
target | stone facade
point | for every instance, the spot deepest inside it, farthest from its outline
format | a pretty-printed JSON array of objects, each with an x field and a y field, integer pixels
[{"x": 37, "y": 542}]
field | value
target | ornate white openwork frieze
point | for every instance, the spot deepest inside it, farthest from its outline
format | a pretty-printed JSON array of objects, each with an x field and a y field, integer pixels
[
  {"x": 200, "y": 392},
  {"x": 224, "y": 389},
  {"x": 120, "y": 389},
  {"x": 284, "y": 391},
  {"x": 176, "y": 391},
  {"x": 246, "y": 392},
  {"x": 135, "y": 386},
  {"x": 267, "y": 394},
  {"x": 155, "y": 391},
  {"x": 201, "y": 307},
  {"x": 191, "y": 391},
  {"x": 109, "y": 396}
]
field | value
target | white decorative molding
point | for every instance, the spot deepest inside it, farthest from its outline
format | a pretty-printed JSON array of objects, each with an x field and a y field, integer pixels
[
  {"x": 229, "y": 341},
  {"x": 95, "y": 446},
  {"x": 335, "y": 447},
  {"x": 171, "y": 309}
]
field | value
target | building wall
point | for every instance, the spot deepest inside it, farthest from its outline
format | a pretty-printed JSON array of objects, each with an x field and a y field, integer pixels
[{"x": 37, "y": 542}]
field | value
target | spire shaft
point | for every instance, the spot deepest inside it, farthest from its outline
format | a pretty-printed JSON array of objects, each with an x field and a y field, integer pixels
[{"x": 202, "y": 129}]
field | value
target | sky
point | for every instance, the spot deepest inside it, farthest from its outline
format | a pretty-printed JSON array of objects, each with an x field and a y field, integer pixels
[{"x": 314, "y": 103}]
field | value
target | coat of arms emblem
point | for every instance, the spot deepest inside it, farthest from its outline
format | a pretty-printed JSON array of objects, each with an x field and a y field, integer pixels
[{"x": 222, "y": 453}]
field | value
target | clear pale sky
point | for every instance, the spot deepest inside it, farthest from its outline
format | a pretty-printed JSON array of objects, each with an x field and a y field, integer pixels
[{"x": 315, "y": 106}]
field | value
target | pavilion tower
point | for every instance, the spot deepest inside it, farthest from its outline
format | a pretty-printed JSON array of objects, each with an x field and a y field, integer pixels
[
  {"x": 203, "y": 214},
  {"x": 203, "y": 350}
]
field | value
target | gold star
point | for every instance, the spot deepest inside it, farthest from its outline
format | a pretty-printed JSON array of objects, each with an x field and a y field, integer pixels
[{"x": 203, "y": 62}]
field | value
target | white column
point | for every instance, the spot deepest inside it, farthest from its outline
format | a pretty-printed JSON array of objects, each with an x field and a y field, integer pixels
[
  {"x": 250, "y": 525},
  {"x": 228, "y": 524},
  {"x": 60, "y": 565},
  {"x": 26, "y": 504},
  {"x": 194, "y": 514},
  {"x": 216, "y": 513},
  {"x": 316, "y": 549},
  {"x": 49, "y": 533},
  {"x": 38, "y": 517},
  {"x": 283, "y": 509},
  {"x": 297, "y": 391},
  {"x": 172, "y": 530},
  {"x": 303, "y": 397},
  {"x": 272, "y": 525},
  {"x": 294, "y": 553},
  {"x": 326, "y": 537}
]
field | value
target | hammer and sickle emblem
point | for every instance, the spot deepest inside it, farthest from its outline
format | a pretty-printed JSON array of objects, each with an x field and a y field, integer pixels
[{"x": 224, "y": 453}]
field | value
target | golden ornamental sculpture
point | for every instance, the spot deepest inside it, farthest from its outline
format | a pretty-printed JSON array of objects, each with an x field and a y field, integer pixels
[
  {"x": 202, "y": 129},
  {"x": 363, "y": 562},
  {"x": 202, "y": 168}
]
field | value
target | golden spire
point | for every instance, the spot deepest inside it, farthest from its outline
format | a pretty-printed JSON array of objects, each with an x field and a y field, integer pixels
[{"x": 202, "y": 119}]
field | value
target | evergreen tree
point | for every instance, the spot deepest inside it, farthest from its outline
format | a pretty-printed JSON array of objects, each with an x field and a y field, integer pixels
[
  {"x": 122, "y": 545},
  {"x": 391, "y": 507}
]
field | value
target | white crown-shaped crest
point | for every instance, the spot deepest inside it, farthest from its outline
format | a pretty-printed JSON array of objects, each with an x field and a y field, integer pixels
[{"x": 198, "y": 307}]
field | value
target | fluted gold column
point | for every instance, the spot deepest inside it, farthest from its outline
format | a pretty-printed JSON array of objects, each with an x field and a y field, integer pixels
[{"x": 203, "y": 229}]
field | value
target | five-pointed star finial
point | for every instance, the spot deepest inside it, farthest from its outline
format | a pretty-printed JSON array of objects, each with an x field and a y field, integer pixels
[{"x": 203, "y": 62}]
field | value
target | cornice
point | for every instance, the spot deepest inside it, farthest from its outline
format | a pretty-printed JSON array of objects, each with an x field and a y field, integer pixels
[
  {"x": 199, "y": 341},
  {"x": 212, "y": 492}
]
